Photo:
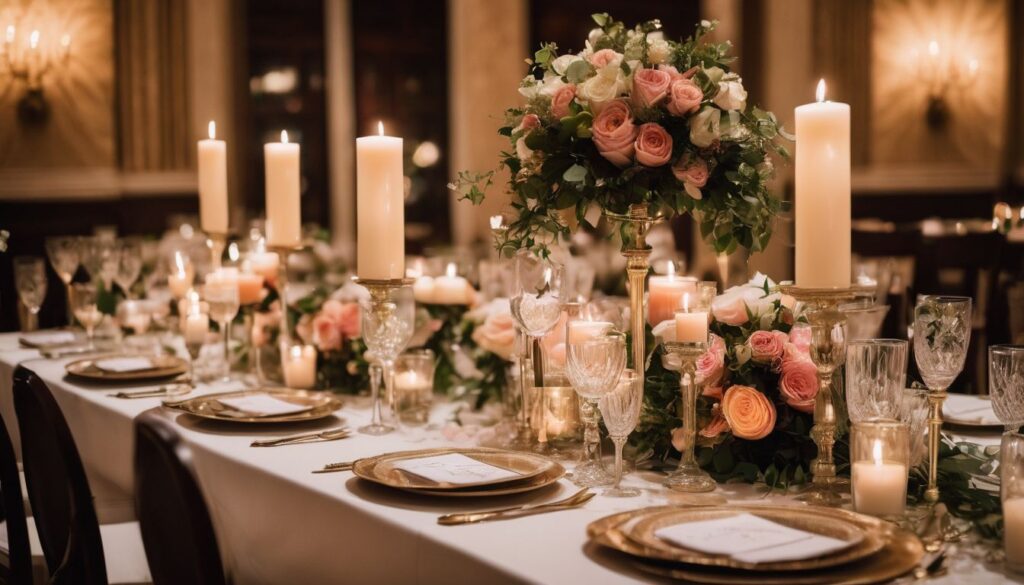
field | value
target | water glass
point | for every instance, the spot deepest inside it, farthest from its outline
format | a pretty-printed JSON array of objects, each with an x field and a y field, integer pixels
[
  {"x": 914, "y": 412},
  {"x": 84, "y": 299},
  {"x": 222, "y": 298},
  {"x": 620, "y": 409},
  {"x": 876, "y": 375},
  {"x": 1006, "y": 383},
  {"x": 388, "y": 320},
  {"x": 1011, "y": 480},
  {"x": 414, "y": 386},
  {"x": 129, "y": 264},
  {"x": 99, "y": 258},
  {"x": 594, "y": 365},
  {"x": 30, "y": 280}
]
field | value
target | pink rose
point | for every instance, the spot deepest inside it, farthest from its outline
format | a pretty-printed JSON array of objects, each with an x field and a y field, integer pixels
[
  {"x": 684, "y": 97},
  {"x": 800, "y": 336},
  {"x": 304, "y": 328},
  {"x": 693, "y": 171},
  {"x": 767, "y": 346},
  {"x": 717, "y": 425},
  {"x": 326, "y": 334},
  {"x": 650, "y": 86},
  {"x": 530, "y": 121},
  {"x": 750, "y": 414},
  {"x": 497, "y": 334},
  {"x": 798, "y": 384},
  {"x": 711, "y": 365},
  {"x": 614, "y": 132},
  {"x": 604, "y": 57},
  {"x": 653, "y": 145},
  {"x": 346, "y": 317},
  {"x": 713, "y": 392},
  {"x": 671, "y": 70},
  {"x": 562, "y": 99}
]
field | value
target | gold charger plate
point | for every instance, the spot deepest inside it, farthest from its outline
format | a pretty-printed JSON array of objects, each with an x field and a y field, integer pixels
[
  {"x": 536, "y": 472},
  {"x": 164, "y": 366},
  {"x": 862, "y": 542},
  {"x": 321, "y": 405},
  {"x": 900, "y": 554}
]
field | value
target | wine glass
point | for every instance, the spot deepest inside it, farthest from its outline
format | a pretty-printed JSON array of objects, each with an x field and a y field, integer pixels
[
  {"x": 99, "y": 258},
  {"x": 222, "y": 297},
  {"x": 594, "y": 365},
  {"x": 942, "y": 332},
  {"x": 1006, "y": 384},
  {"x": 876, "y": 374},
  {"x": 388, "y": 320},
  {"x": 30, "y": 280},
  {"x": 63, "y": 254},
  {"x": 620, "y": 409},
  {"x": 195, "y": 327},
  {"x": 84, "y": 298},
  {"x": 129, "y": 265}
]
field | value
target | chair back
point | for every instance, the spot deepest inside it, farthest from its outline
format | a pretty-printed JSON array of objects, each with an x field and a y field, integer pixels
[
  {"x": 58, "y": 489},
  {"x": 19, "y": 551},
  {"x": 177, "y": 532}
]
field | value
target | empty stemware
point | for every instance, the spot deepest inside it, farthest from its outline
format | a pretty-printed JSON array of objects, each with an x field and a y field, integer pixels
[
  {"x": 84, "y": 299},
  {"x": 876, "y": 374},
  {"x": 30, "y": 280},
  {"x": 99, "y": 258},
  {"x": 63, "y": 254},
  {"x": 129, "y": 265},
  {"x": 222, "y": 297},
  {"x": 388, "y": 319},
  {"x": 620, "y": 409},
  {"x": 594, "y": 365},
  {"x": 1006, "y": 384}
]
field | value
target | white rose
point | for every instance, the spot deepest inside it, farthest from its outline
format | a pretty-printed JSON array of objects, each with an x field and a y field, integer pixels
[
  {"x": 731, "y": 94},
  {"x": 522, "y": 151},
  {"x": 550, "y": 85},
  {"x": 608, "y": 84},
  {"x": 529, "y": 87},
  {"x": 561, "y": 64},
  {"x": 732, "y": 127},
  {"x": 595, "y": 35},
  {"x": 705, "y": 126},
  {"x": 658, "y": 51},
  {"x": 715, "y": 73}
]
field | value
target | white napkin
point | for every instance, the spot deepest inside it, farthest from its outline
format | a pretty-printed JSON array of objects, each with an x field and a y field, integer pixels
[
  {"x": 262, "y": 405},
  {"x": 124, "y": 364},
  {"x": 969, "y": 409},
  {"x": 455, "y": 468},
  {"x": 42, "y": 338},
  {"x": 750, "y": 539}
]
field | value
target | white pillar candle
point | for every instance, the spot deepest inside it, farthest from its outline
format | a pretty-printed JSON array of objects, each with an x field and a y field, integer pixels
[
  {"x": 181, "y": 276},
  {"x": 284, "y": 223},
  {"x": 451, "y": 288},
  {"x": 666, "y": 294},
  {"x": 577, "y": 332},
  {"x": 264, "y": 263},
  {"x": 423, "y": 290},
  {"x": 823, "y": 193},
  {"x": 1013, "y": 532},
  {"x": 197, "y": 327},
  {"x": 691, "y": 326},
  {"x": 299, "y": 366},
  {"x": 380, "y": 211},
  {"x": 213, "y": 184},
  {"x": 879, "y": 486}
]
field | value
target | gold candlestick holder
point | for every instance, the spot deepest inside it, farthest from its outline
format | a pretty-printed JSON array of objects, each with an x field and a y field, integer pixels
[
  {"x": 384, "y": 311},
  {"x": 216, "y": 242},
  {"x": 828, "y": 352},
  {"x": 688, "y": 477},
  {"x": 638, "y": 255}
]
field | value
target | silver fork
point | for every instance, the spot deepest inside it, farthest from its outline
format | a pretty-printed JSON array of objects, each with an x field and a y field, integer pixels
[
  {"x": 328, "y": 435},
  {"x": 577, "y": 499}
]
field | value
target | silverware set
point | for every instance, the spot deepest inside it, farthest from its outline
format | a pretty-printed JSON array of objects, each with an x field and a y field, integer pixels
[
  {"x": 335, "y": 467},
  {"x": 317, "y": 437},
  {"x": 169, "y": 390},
  {"x": 574, "y": 501}
]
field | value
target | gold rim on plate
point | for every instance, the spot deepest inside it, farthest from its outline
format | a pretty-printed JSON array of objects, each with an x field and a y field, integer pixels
[
  {"x": 164, "y": 366},
  {"x": 900, "y": 554},
  {"x": 536, "y": 472},
  {"x": 320, "y": 404},
  {"x": 862, "y": 542}
]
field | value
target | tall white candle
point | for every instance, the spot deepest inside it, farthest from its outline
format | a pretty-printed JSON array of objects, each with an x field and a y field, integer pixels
[
  {"x": 284, "y": 222},
  {"x": 879, "y": 486},
  {"x": 380, "y": 184},
  {"x": 213, "y": 183},
  {"x": 823, "y": 193}
]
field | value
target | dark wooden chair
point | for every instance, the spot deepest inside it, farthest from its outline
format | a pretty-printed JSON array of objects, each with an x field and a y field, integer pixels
[
  {"x": 18, "y": 568},
  {"x": 62, "y": 504},
  {"x": 176, "y": 528}
]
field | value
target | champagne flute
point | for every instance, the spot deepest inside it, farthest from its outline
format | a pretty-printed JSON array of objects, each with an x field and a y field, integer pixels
[
  {"x": 222, "y": 298},
  {"x": 388, "y": 319},
  {"x": 129, "y": 265},
  {"x": 594, "y": 365},
  {"x": 63, "y": 254},
  {"x": 30, "y": 280},
  {"x": 84, "y": 298},
  {"x": 620, "y": 409}
]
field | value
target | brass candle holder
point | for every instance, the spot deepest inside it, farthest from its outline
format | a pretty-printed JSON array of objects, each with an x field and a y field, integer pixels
[
  {"x": 384, "y": 311},
  {"x": 828, "y": 352},
  {"x": 688, "y": 477}
]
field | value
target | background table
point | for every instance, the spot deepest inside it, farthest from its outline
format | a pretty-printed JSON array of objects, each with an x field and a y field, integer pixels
[{"x": 278, "y": 523}]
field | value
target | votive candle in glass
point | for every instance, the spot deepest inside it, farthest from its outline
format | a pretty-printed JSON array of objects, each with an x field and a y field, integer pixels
[
  {"x": 414, "y": 386},
  {"x": 298, "y": 363},
  {"x": 1011, "y": 471},
  {"x": 880, "y": 456}
]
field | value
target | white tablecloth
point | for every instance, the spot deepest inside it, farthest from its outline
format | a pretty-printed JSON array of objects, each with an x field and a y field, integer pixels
[{"x": 278, "y": 523}]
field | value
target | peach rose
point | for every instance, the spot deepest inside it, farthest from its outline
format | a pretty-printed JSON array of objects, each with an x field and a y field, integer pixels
[
  {"x": 684, "y": 97},
  {"x": 693, "y": 173},
  {"x": 605, "y": 57},
  {"x": 326, "y": 335},
  {"x": 798, "y": 384},
  {"x": 530, "y": 121},
  {"x": 653, "y": 145},
  {"x": 562, "y": 99},
  {"x": 749, "y": 413},
  {"x": 614, "y": 131},
  {"x": 717, "y": 425},
  {"x": 712, "y": 392},
  {"x": 497, "y": 334},
  {"x": 650, "y": 86},
  {"x": 345, "y": 315},
  {"x": 711, "y": 365},
  {"x": 767, "y": 346}
]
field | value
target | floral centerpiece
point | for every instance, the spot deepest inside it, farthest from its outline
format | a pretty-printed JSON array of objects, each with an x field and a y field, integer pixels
[
  {"x": 636, "y": 118},
  {"x": 759, "y": 386}
]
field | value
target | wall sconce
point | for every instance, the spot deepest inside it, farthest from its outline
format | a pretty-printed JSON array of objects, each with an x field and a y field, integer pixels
[
  {"x": 29, "y": 61},
  {"x": 942, "y": 73}
]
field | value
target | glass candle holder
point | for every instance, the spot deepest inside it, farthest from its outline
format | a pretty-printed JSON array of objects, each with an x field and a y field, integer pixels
[
  {"x": 414, "y": 386},
  {"x": 880, "y": 456},
  {"x": 1011, "y": 466},
  {"x": 560, "y": 420}
]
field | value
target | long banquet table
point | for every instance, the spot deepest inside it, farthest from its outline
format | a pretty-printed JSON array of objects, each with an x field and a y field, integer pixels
[{"x": 278, "y": 523}]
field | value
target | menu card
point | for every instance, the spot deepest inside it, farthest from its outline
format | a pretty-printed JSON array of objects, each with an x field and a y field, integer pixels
[
  {"x": 750, "y": 539},
  {"x": 47, "y": 338},
  {"x": 123, "y": 365},
  {"x": 455, "y": 468},
  {"x": 261, "y": 405}
]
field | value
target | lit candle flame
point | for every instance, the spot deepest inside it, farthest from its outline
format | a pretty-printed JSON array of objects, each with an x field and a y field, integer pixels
[
  {"x": 670, "y": 271},
  {"x": 686, "y": 302},
  {"x": 233, "y": 251},
  {"x": 284, "y": 137},
  {"x": 33, "y": 39},
  {"x": 547, "y": 276},
  {"x": 933, "y": 48},
  {"x": 380, "y": 128},
  {"x": 211, "y": 129},
  {"x": 972, "y": 66},
  {"x": 496, "y": 221},
  {"x": 261, "y": 245},
  {"x": 65, "y": 41},
  {"x": 451, "y": 271},
  {"x": 820, "y": 93},
  {"x": 296, "y": 351},
  {"x": 179, "y": 262},
  {"x": 11, "y": 31},
  {"x": 876, "y": 452}
]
